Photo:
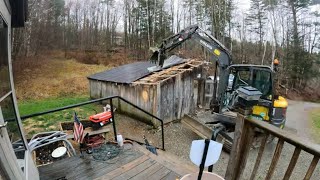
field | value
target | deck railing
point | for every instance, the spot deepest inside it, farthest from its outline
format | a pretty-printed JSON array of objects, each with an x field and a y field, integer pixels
[
  {"x": 110, "y": 98},
  {"x": 244, "y": 134}
]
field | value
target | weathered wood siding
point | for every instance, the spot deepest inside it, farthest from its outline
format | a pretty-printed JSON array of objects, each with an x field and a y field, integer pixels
[
  {"x": 132, "y": 93},
  {"x": 177, "y": 97},
  {"x": 170, "y": 100},
  {"x": 209, "y": 86}
]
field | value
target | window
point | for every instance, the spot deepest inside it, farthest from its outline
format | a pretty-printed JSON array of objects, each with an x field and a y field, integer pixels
[
  {"x": 242, "y": 78},
  {"x": 262, "y": 81},
  {"x": 4, "y": 68},
  {"x": 9, "y": 115},
  {"x": 7, "y": 104},
  {"x": 257, "y": 78}
]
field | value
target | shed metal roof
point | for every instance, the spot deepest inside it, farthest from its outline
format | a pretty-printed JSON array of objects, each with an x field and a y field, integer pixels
[{"x": 131, "y": 72}]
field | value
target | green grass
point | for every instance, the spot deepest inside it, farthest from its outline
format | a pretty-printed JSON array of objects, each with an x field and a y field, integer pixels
[
  {"x": 29, "y": 107},
  {"x": 315, "y": 118},
  {"x": 50, "y": 122}
]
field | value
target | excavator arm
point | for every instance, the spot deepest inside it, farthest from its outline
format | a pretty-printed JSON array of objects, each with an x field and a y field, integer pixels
[{"x": 219, "y": 54}]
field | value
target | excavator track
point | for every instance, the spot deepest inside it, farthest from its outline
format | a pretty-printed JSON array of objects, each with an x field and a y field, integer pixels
[{"x": 205, "y": 131}]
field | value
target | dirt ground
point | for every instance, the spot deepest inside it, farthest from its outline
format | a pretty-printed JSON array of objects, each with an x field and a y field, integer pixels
[{"x": 178, "y": 139}]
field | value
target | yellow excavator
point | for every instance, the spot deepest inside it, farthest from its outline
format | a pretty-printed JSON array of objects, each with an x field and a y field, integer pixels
[{"x": 238, "y": 88}]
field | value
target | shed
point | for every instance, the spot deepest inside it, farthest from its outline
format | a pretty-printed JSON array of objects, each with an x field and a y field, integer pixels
[{"x": 169, "y": 93}]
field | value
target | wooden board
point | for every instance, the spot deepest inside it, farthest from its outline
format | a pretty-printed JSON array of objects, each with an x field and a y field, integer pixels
[
  {"x": 84, "y": 168},
  {"x": 137, "y": 163}
]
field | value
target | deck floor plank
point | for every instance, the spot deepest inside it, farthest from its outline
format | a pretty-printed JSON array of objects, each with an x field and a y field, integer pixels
[
  {"x": 147, "y": 172},
  {"x": 60, "y": 164},
  {"x": 100, "y": 170},
  {"x": 117, "y": 172},
  {"x": 171, "y": 176},
  {"x": 84, "y": 168},
  {"x": 161, "y": 173},
  {"x": 136, "y": 164},
  {"x": 136, "y": 170}
]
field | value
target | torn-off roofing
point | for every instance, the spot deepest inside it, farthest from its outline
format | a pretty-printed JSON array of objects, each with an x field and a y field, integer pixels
[{"x": 131, "y": 72}]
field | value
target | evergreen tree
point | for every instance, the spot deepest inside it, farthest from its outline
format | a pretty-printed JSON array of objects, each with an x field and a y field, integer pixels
[{"x": 256, "y": 21}]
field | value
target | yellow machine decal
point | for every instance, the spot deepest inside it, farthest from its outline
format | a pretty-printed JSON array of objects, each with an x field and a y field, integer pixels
[
  {"x": 261, "y": 111},
  {"x": 217, "y": 52},
  {"x": 281, "y": 102}
]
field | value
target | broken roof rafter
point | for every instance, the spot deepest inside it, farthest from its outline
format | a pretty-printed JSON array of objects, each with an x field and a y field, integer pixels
[{"x": 165, "y": 75}]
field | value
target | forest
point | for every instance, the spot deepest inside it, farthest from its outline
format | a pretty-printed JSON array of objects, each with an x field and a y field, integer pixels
[{"x": 264, "y": 30}]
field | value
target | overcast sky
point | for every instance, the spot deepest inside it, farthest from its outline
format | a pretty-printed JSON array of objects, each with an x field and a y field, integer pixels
[
  {"x": 245, "y": 5},
  {"x": 241, "y": 7}
]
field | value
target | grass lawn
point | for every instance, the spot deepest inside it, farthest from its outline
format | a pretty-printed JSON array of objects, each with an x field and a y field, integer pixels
[
  {"x": 50, "y": 122},
  {"x": 315, "y": 117},
  {"x": 52, "y": 78}
]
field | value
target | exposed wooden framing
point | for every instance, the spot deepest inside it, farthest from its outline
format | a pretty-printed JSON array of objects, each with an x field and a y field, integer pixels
[
  {"x": 192, "y": 65},
  {"x": 170, "y": 72},
  {"x": 292, "y": 164},
  {"x": 145, "y": 83},
  {"x": 197, "y": 127},
  {"x": 259, "y": 157}
]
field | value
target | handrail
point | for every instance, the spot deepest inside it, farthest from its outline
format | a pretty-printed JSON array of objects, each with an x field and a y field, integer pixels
[
  {"x": 288, "y": 137},
  {"x": 99, "y": 100},
  {"x": 244, "y": 133},
  {"x": 67, "y": 107}
]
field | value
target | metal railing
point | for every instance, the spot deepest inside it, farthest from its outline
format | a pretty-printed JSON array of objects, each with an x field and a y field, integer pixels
[
  {"x": 110, "y": 98},
  {"x": 244, "y": 134}
]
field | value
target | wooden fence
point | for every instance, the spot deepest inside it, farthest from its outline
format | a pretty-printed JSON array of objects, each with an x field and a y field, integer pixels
[{"x": 244, "y": 134}]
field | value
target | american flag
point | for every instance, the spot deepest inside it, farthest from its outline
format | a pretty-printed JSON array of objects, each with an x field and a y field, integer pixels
[{"x": 78, "y": 132}]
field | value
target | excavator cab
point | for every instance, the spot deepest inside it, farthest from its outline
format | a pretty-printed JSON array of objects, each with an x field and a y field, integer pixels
[{"x": 270, "y": 107}]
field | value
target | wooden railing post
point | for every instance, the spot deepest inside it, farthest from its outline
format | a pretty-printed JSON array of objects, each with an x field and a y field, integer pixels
[
  {"x": 243, "y": 135},
  {"x": 311, "y": 168},
  {"x": 292, "y": 164},
  {"x": 275, "y": 158},
  {"x": 240, "y": 149},
  {"x": 259, "y": 157}
]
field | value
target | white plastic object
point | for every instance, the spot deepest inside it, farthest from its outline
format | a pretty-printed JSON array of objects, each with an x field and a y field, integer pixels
[
  {"x": 205, "y": 176},
  {"x": 197, "y": 148},
  {"x": 59, "y": 152},
  {"x": 120, "y": 140},
  {"x": 108, "y": 107}
]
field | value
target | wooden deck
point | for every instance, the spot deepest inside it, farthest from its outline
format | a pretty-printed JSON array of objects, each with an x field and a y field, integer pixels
[{"x": 137, "y": 163}]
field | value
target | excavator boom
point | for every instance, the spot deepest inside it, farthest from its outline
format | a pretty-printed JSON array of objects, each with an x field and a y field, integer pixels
[
  {"x": 219, "y": 55},
  {"x": 212, "y": 45}
]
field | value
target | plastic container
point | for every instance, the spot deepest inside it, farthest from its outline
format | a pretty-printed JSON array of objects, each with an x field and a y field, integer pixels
[{"x": 120, "y": 140}]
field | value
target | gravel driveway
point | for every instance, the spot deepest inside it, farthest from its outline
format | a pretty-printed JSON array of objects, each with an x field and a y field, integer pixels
[
  {"x": 298, "y": 118},
  {"x": 178, "y": 139}
]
